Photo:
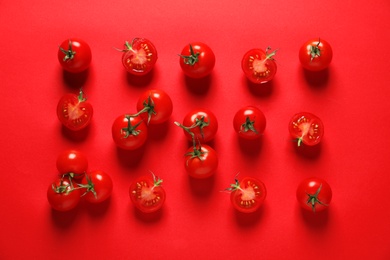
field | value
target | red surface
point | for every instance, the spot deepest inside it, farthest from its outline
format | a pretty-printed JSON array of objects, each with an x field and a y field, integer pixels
[{"x": 352, "y": 99}]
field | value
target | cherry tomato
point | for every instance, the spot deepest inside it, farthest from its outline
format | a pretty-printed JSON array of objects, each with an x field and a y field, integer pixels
[
  {"x": 74, "y": 55},
  {"x": 314, "y": 194},
  {"x": 155, "y": 106},
  {"x": 247, "y": 195},
  {"x": 139, "y": 56},
  {"x": 62, "y": 195},
  {"x": 315, "y": 54},
  {"x": 147, "y": 194},
  {"x": 306, "y": 128},
  {"x": 197, "y": 60},
  {"x": 201, "y": 161},
  {"x": 129, "y": 132},
  {"x": 73, "y": 163},
  {"x": 74, "y": 111},
  {"x": 98, "y": 185},
  {"x": 259, "y": 66},
  {"x": 249, "y": 122}
]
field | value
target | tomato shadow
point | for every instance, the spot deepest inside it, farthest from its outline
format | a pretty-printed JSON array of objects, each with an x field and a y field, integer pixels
[
  {"x": 306, "y": 151},
  {"x": 97, "y": 210},
  {"x": 260, "y": 90},
  {"x": 130, "y": 158},
  {"x": 75, "y": 80},
  {"x": 248, "y": 220},
  {"x": 199, "y": 86},
  {"x": 140, "y": 80},
  {"x": 76, "y": 136},
  {"x": 63, "y": 220},
  {"x": 315, "y": 220},
  {"x": 159, "y": 131},
  {"x": 316, "y": 79},
  {"x": 202, "y": 188},
  {"x": 251, "y": 148},
  {"x": 151, "y": 217}
]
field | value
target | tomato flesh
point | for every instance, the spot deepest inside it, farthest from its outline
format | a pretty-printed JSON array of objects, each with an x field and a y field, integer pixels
[
  {"x": 249, "y": 196},
  {"x": 146, "y": 195},
  {"x": 306, "y": 128},
  {"x": 259, "y": 66},
  {"x": 139, "y": 57}
]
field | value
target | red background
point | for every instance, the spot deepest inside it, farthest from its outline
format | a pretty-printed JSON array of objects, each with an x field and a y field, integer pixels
[{"x": 352, "y": 99}]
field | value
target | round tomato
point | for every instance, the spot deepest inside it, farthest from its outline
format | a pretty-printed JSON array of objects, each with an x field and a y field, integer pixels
[
  {"x": 249, "y": 122},
  {"x": 129, "y": 132},
  {"x": 314, "y": 194},
  {"x": 154, "y": 106},
  {"x": 315, "y": 54},
  {"x": 98, "y": 185},
  {"x": 201, "y": 161},
  {"x": 197, "y": 60},
  {"x": 62, "y": 195},
  {"x": 147, "y": 194},
  {"x": 74, "y": 111},
  {"x": 73, "y": 163},
  {"x": 259, "y": 66},
  {"x": 306, "y": 128},
  {"x": 139, "y": 57},
  {"x": 247, "y": 195},
  {"x": 74, "y": 55}
]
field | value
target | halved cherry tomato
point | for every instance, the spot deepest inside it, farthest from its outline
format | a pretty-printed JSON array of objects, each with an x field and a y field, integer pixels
[
  {"x": 154, "y": 106},
  {"x": 74, "y": 55},
  {"x": 314, "y": 194},
  {"x": 62, "y": 195},
  {"x": 315, "y": 54},
  {"x": 129, "y": 132},
  {"x": 201, "y": 161},
  {"x": 73, "y": 163},
  {"x": 306, "y": 128},
  {"x": 197, "y": 60},
  {"x": 98, "y": 185},
  {"x": 259, "y": 66},
  {"x": 249, "y": 122}
]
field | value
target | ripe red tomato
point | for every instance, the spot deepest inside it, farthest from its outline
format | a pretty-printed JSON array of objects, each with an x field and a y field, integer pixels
[
  {"x": 249, "y": 122},
  {"x": 315, "y": 54},
  {"x": 314, "y": 194},
  {"x": 74, "y": 55},
  {"x": 129, "y": 132},
  {"x": 73, "y": 163},
  {"x": 154, "y": 106},
  {"x": 201, "y": 161},
  {"x": 74, "y": 111},
  {"x": 306, "y": 128},
  {"x": 147, "y": 194},
  {"x": 98, "y": 185},
  {"x": 139, "y": 57},
  {"x": 247, "y": 195},
  {"x": 62, "y": 196},
  {"x": 259, "y": 66},
  {"x": 197, "y": 60}
]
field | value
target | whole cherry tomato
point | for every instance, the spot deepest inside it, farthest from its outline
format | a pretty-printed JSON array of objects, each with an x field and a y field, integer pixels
[
  {"x": 249, "y": 122},
  {"x": 98, "y": 186},
  {"x": 62, "y": 195},
  {"x": 315, "y": 54},
  {"x": 306, "y": 128},
  {"x": 154, "y": 106},
  {"x": 129, "y": 132},
  {"x": 201, "y": 161},
  {"x": 314, "y": 194},
  {"x": 73, "y": 163},
  {"x": 74, "y": 55},
  {"x": 259, "y": 66},
  {"x": 197, "y": 60},
  {"x": 74, "y": 111}
]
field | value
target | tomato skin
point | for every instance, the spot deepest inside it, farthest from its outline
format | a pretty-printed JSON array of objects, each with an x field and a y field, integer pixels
[
  {"x": 306, "y": 128},
  {"x": 259, "y": 66},
  {"x": 209, "y": 131},
  {"x": 158, "y": 109},
  {"x": 250, "y": 195},
  {"x": 63, "y": 201},
  {"x": 201, "y": 163},
  {"x": 74, "y": 55},
  {"x": 129, "y": 133},
  {"x": 139, "y": 57},
  {"x": 315, "y": 54},
  {"x": 72, "y": 161},
  {"x": 74, "y": 111},
  {"x": 311, "y": 186},
  {"x": 101, "y": 184},
  {"x": 249, "y": 122},
  {"x": 202, "y": 65}
]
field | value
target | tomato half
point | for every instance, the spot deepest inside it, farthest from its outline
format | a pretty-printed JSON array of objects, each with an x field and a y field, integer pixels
[
  {"x": 73, "y": 163},
  {"x": 259, "y": 66},
  {"x": 98, "y": 186},
  {"x": 201, "y": 161},
  {"x": 62, "y": 196},
  {"x": 197, "y": 60},
  {"x": 155, "y": 106},
  {"x": 306, "y": 128},
  {"x": 249, "y": 122},
  {"x": 74, "y": 111},
  {"x": 315, "y": 54},
  {"x": 314, "y": 194},
  {"x": 129, "y": 132},
  {"x": 74, "y": 55},
  {"x": 139, "y": 56}
]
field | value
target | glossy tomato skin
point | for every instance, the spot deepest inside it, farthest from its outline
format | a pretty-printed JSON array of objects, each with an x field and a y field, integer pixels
[
  {"x": 306, "y": 128},
  {"x": 129, "y": 133},
  {"x": 139, "y": 57},
  {"x": 72, "y": 162},
  {"x": 147, "y": 194},
  {"x": 202, "y": 162},
  {"x": 158, "y": 106},
  {"x": 74, "y": 111},
  {"x": 249, "y": 122},
  {"x": 102, "y": 186},
  {"x": 259, "y": 66},
  {"x": 210, "y": 126},
  {"x": 201, "y": 64},
  {"x": 65, "y": 200},
  {"x": 74, "y": 55},
  {"x": 314, "y": 194},
  {"x": 249, "y": 196},
  {"x": 315, "y": 54}
]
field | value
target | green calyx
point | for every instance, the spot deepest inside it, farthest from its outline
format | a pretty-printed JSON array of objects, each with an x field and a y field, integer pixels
[
  {"x": 315, "y": 51},
  {"x": 130, "y": 129},
  {"x": 313, "y": 199},
  {"x": 69, "y": 53},
  {"x": 192, "y": 58},
  {"x": 199, "y": 122},
  {"x": 248, "y": 126}
]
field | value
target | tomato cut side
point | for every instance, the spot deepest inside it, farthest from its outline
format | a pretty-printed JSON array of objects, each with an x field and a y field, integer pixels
[
  {"x": 306, "y": 128},
  {"x": 248, "y": 194},
  {"x": 139, "y": 57}
]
